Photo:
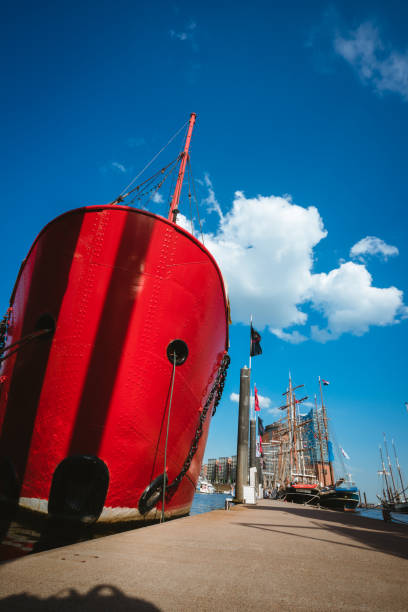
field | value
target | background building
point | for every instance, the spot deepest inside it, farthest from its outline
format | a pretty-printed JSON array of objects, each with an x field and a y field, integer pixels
[
  {"x": 221, "y": 470},
  {"x": 313, "y": 450}
]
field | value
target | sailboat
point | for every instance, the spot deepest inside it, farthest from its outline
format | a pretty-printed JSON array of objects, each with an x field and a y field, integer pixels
[
  {"x": 394, "y": 491},
  {"x": 113, "y": 358}
]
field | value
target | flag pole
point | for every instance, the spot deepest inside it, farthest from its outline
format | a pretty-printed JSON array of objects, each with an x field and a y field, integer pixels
[
  {"x": 243, "y": 433},
  {"x": 250, "y": 342}
]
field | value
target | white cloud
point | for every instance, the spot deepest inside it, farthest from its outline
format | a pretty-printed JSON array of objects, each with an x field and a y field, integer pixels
[
  {"x": 118, "y": 166},
  {"x": 321, "y": 335},
  {"x": 264, "y": 247},
  {"x": 179, "y": 35},
  {"x": 157, "y": 198},
  {"x": 371, "y": 245},
  {"x": 211, "y": 201},
  {"x": 293, "y": 337},
  {"x": 113, "y": 167},
  {"x": 275, "y": 412},
  {"x": 346, "y": 297},
  {"x": 376, "y": 64},
  {"x": 186, "y": 35},
  {"x": 186, "y": 224},
  {"x": 264, "y": 402}
]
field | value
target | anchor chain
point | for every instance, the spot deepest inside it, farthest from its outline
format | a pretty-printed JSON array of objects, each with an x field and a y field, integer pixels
[
  {"x": 214, "y": 395},
  {"x": 4, "y": 323},
  {"x": 5, "y": 351}
]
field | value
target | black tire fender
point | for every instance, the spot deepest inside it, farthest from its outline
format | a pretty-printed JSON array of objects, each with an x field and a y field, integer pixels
[{"x": 152, "y": 494}]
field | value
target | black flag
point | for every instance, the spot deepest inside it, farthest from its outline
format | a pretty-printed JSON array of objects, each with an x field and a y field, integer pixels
[
  {"x": 255, "y": 343},
  {"x": 261, "y": 429}
]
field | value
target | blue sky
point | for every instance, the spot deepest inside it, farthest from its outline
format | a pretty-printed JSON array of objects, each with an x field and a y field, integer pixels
[{"x": 299, "y": 154}]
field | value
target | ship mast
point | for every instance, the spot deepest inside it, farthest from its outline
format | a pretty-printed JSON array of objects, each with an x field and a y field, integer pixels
[
  {"x": 321, "y": 447},
  {"x": 395, "y": 492},
  {"x": 326, "y": 431},
  {"x": 294, "y": 432},
  {"x": 399, "y": 472},
  {"x": 173, "y": 212},
  {"x": 390, "y": 498},
  {"x": 300, "y": 446},
  {"x": 300, "y": 437},
  {"x": 290, "y": 427}
]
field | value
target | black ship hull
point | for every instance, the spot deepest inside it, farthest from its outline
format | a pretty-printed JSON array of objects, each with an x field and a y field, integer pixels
[
  {"x": 401, "y": 507},
  {"x": 340, "y": 499},
  {"x": 300, "y": 495}
]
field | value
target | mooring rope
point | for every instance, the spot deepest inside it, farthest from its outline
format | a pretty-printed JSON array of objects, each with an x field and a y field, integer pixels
[{"x": 167, "y": 436}]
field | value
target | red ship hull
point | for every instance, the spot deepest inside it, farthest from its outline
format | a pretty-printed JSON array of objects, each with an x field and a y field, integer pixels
[{"x": 117, "y": 286}]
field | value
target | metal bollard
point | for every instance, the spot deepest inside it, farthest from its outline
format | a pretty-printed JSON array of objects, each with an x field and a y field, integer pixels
[{"x": 228, "y": 503}]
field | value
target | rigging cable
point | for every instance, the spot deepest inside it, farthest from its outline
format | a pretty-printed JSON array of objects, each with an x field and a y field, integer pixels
[
  {"x": 179, "y": 157},
  {"x": 147, "y": 189},
  {"x": 142, "y": 187},
  {"x": 189, "y": 178},
  {"x": 196, "y": 201},
  {"x": 339, "y": 454},
  {"x": 155, "y": 189},
  {"x": 154, "y": 158},
  {"x": 170, "y": 191}
]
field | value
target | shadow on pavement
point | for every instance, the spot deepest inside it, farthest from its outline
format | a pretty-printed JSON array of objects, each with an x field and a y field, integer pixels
[
  {"x": 364, "y": 532},
  {"x": 101, "y": 597},
  {"x": 25, "y": 532}
]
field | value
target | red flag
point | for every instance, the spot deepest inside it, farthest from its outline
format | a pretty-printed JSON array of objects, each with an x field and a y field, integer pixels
[
  {"x": 257, "y": 408},
  {"x": 325, "y": 382}
]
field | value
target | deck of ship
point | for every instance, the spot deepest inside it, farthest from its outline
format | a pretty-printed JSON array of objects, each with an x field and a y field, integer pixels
[{"x": 271, "y": 556}]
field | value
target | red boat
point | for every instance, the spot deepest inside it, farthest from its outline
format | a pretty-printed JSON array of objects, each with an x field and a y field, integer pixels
[{"x": 114, "y": 358}]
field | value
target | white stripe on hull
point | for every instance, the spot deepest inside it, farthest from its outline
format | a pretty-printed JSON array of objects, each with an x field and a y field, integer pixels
[{"x": 109, "y": 514}]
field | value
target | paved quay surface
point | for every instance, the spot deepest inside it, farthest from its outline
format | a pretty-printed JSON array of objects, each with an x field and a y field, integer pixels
[{"x": 273, "y": 556}]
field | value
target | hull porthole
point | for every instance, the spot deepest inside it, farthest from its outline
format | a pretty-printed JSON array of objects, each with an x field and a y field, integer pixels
[{"x": 179, "y": 349}]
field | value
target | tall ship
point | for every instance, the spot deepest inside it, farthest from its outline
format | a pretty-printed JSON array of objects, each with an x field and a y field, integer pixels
[
  {"x": 338, "y": 493},
  {"x": 394, "y": 493},
  {"x": 299, "y": 457},
  {"x": 295, "y": 476},
  {"x": 113, "y": 359}
]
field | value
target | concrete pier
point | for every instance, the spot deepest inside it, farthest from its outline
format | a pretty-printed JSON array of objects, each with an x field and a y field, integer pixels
[{"x": 273, "y": 556}]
